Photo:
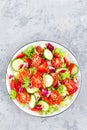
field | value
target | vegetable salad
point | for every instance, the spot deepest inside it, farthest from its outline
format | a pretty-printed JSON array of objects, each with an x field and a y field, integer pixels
[{"x": 43, "y": 79}]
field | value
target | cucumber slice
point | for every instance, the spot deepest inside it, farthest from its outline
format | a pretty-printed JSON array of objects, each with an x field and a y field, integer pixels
[
  {"x": 32, "y": 102},
  {"x": 45, "y": 105},
  {"x": 48, "y": 54},
  {"x": 32, "y": 90},
  {"x": 37, "y": 95},
  {"x": 60, "y": 69},
  {"x": 15, "y": 64},
  {"x": 66, "y": 101},
  {"x": 15, "y": 73},
  {"x": 48, "y": 80}
]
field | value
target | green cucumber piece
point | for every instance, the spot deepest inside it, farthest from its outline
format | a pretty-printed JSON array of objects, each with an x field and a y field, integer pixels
[
  {"x": 48, "y": 54},
  {"x": 15, "y": 64},
  {"x": 62, "y": 90},
  {"x": 64, "y": 75},
  {"x": 37, "y": 95},
  {"x": 32, "y": 102},
  {"x": 32, "y": 90},
  {"x": 45, "y": 105},
  {"x": 66, "y": 101},
  {"x": 48, "y": 80},
  {"x": 60, "y": 69}
]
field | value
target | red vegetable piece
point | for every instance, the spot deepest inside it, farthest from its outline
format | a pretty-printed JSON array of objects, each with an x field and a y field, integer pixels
[
  {"x": 50, "y": 47},
  {"x": 20, "y": 55},
  {"x": 56, "y": 62},
  {"x": 39, "y": 49}
]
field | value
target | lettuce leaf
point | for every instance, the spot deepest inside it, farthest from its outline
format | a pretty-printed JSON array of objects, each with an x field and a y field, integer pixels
[
  {"x": 26, "y": 82},
  {"x": 33, "y": 70},
  {"x": 60, "y": 52},
  {"x": 30, "y": 52},
  {"x": 13, "y": 94}
]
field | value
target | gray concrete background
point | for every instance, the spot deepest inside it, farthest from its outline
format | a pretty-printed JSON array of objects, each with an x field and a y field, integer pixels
[{"x": 24, "y": 21}]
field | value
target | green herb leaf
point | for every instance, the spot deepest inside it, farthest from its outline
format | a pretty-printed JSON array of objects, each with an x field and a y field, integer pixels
[
  {"x": 13, "y": 94},
  {"x": 60, "y": 52},
  {"x": 30, "y": 51},
  {"x": 26, "y": 82},
  {"x": 33, "y": 70}
]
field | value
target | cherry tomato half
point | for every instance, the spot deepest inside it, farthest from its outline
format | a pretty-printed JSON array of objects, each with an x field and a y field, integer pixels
[
  {"x": 22, "y": 74},
  {"x": 55, "y": 76},
  {"x": 56, "y": 62},
  {"x": 71, "y": 86},
  {"x": 36, "y": 60},
  {"x": 13, "y": 84},
  {"x": 39, "y": 49},
  {"x": 37, "y": 80},
  {"x": 43, "y": 68},
  {"x": 54, "y": 98},
  {"x": 23, "y": 97}
]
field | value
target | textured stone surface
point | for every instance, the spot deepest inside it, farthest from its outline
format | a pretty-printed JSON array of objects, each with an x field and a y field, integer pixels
[{"x": 23, "y": 21}]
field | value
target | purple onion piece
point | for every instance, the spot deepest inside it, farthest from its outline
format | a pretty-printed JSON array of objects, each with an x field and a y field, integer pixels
[
  {"x": 10, "y": 76},
  {"x": 21, "y": 66},
  {"x": 63, "y": 71},
  {"x": 30, "y": 86},
  {"x": 51, "y": 69},
  {"x": 45, "y": 92},
  {"x": 50, "y": 47},
  {"x": 38, "y": 107},
  {"x": 21, "y": 90},
  {"x": 56, "y": 86}
]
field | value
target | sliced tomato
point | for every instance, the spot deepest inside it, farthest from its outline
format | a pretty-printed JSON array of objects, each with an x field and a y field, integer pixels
[
  {"x": 56, "y": 62},
  {"x": 23, "y": 97},
  {"x": 35, "y": 109},
  {"x": 71, "y": 86},
  {"x": 22, "y": 74},
  {"x": 54, "y": 98},
  {"x": 13, "y": 84},
  {"x": 66, "y": 61},
  {"x": 73, "y": 69},
  {"x": 37, "y": 80},
  {"x": 48, "y": 100},
  {"x": 36, "y": 60},
  {"x": 19, "y": 87},
  {"x": 55, "y": 76},
  {"x": 56, "y": 55},
  {"x": 22, "y": 55},
  {"x": 43, "y": 68},
  {"x": 39, "y": 49},
  {"x": 27, "y": 60}
]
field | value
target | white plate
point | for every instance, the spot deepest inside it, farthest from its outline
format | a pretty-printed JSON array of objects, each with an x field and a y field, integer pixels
[{"x": 70, "y": 56}]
